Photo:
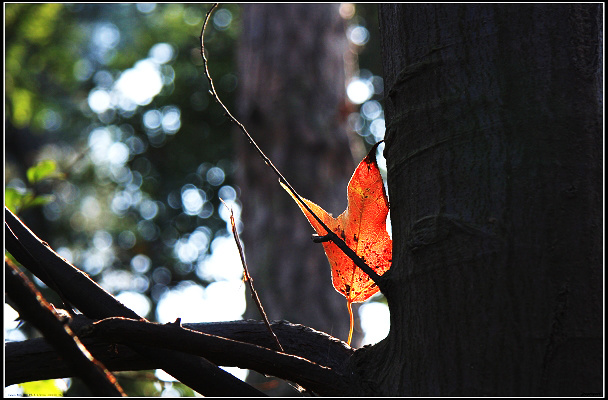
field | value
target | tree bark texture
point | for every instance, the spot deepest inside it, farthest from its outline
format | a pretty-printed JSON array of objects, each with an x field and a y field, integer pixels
[
  {"x": 493, "y": 145},
  {"x": 292, "y": 92}
]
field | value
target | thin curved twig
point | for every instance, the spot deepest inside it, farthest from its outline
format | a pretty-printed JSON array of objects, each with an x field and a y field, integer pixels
[
  {"x": 330, "y": 235},
  {"x": 249, "y": 280}
]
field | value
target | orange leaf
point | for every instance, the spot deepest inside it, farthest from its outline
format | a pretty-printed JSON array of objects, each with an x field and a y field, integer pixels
[{"x": 362, "y": 226}]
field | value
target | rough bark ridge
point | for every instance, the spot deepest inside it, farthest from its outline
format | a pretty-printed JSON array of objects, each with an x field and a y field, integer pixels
[
  {"x": 291, "y": 91},
  {"x": 493, "y": 146}
]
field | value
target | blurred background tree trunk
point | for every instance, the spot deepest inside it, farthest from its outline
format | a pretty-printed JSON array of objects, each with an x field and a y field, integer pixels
[{"x": 292, "y": 100}]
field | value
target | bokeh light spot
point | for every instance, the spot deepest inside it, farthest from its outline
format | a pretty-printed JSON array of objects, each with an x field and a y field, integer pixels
[
  {"x": 106, "y": 35},
  {"x": 118, "y": 153},
  {"x": 377, "y": 316},
  {"x": 145, "y": 8},
  {"x": 215, "y": 176},
  {"x": 83, "y": 69},
  {"x": 193, "y": 16},
  {"x": 192, "y": 200},
  {"x": 136, "y": 302},
  {"x": 224, "y": 262},
  {"x": 152, "y": 119},
  {"x": 148, "y": 230},
  {"x": 141, "y": 83},
  {"x": 378, "y": 128},
  {"x": 171, "y": 119},
  {"x": 186, "y": 251},
  {"x": 359, "y": 35},
  {"x": 99, "y": 101},
  {"x": 102, "y": 240},
  {"x": 161, "y": 53},
  {"x": 371, "y": 110},
  {"x": 200, "y": 238},
  {"x": 222, "y": 19},
  {"x": 141, "y": 263},
  {"x": 90, "y": 207},
  {"x": 347, "y": 10},
  {"x": 148, "y": 209},
  {"x": 121, "y": 202},
  {"x": 126, "y": 240},
  {"x": 359, "y": 91},
  {"x": 227, "y": 193},
  {"x": 51, "y": 120},
  {"x": 162, "y": 275}
]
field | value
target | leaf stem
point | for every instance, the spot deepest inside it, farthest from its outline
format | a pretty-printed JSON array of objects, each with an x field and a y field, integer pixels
[{"x": 349, "y": 305}]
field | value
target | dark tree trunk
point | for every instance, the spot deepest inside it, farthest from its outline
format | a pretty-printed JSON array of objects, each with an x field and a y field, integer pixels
[
  {"x": 493, "y": 145},
  {"x": 292, "y": 100}
]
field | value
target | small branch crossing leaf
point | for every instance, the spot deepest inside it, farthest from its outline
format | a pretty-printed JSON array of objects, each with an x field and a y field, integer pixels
[
  {"x": 353, "y": 240},
  {"x": 363, "y": 227}
]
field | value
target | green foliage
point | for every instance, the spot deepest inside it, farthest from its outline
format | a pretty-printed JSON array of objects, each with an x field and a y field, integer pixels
[
  {"x": 46, "y": 388},
  {"x": 13, "y": 199},
  {"x": 142, "y": 382},
  {"x": 43, "y": 170},
  {"x": 146, "y": 383},
  {"x": 18, "y": 199},
  {"x": 34, "y": 62}
]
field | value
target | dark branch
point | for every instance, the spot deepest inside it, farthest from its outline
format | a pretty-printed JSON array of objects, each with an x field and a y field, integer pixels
[
  {"x": 359, "y": 262},
  {"x": 53, "y": 270},
  {"x": 90, "y": 298},
  {"x": 310, "y": 375},
  {"x": 36, "y": 310},
  {"x": 20, "y": 252},
  {"x": 320, "y": 239},
  {"x": 35, "y": 360}
]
